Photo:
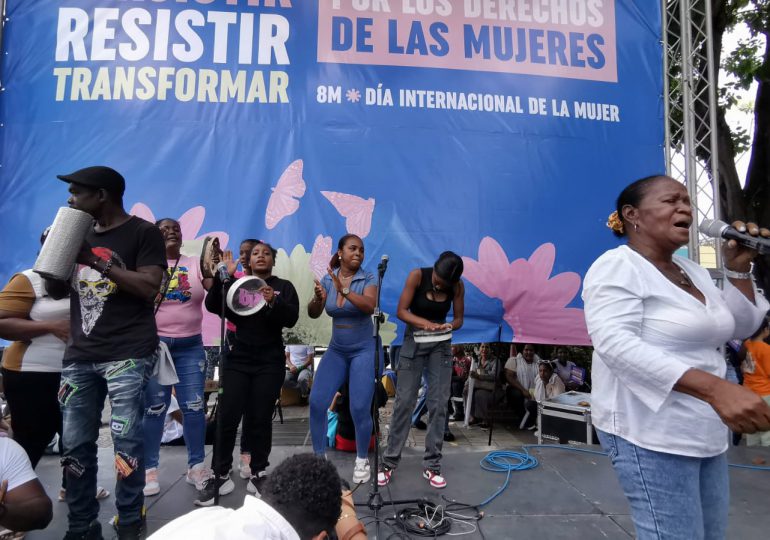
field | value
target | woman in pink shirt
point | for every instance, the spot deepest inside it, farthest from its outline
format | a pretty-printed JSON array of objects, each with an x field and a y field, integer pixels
[{"x": 179, "y": 318}]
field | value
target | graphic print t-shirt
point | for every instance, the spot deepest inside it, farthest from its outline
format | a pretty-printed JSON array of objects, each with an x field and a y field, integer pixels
[
  {"x": 108, "y": 324},
  {"x": 180, "y": 312}
]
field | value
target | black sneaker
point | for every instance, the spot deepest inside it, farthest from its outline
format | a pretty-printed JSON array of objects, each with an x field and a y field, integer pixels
[
  {"x": 94, "y": 532},
  {"x": 131, "y": 531},
  {"x": 419, "y": 424},
  {"x": 449, "y": 436},
  {"x": 206, "y": 497},
  {"x": 256, "y": 482}
]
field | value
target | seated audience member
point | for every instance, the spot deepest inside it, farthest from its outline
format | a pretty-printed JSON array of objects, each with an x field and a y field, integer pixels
[
  {"x": 345, "y": 434},
  {"x": 756, "y": 375},
  {"x": 461, "y": 367},
  {"x": 24, "y": 506},
  {"x": 548, "y": 385},
  {"x": 563, "y": 367},
  {"x": 485, "y": 392},
  {"x": 301, "y": 500},
  {"x": 299, "y": 368},
  {"x": 520, "y": 374}
]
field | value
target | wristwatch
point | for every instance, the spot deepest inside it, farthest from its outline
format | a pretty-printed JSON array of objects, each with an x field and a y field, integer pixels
[{"x": 345, "y": 291}]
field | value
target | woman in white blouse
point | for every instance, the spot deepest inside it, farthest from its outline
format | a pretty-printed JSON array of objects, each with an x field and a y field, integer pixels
[{"x": 660, "y": 403}]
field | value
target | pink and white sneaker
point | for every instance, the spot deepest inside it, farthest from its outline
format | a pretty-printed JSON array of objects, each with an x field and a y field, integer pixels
[
  {"x": 383, "y": 477},
  {"x": 244, "y": 467},
  {"x": 434, "y": 477},
  {"x": 151, "y": 485},
  {"x": 197, "y": 475}
]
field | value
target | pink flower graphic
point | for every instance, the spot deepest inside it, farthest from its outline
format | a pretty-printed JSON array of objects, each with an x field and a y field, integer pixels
[
  {"x": 533, "y": 301},
  {"x": 192, "y": 245}
]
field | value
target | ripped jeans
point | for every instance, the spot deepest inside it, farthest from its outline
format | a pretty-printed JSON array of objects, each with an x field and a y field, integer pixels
[
  {"x": 190, "y": 362},
  {"x": 84, "y": 385}
]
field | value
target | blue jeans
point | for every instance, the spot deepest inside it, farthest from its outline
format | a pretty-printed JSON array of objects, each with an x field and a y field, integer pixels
[
  {"x": 672, "y": 497},
  {"x": 350, "y": 357},
  {"x": 84, "y": 386},
  {"x": 190, "y": 363}
]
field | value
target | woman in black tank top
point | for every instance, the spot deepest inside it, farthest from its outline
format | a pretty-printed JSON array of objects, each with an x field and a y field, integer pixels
[{"x": 427, "y": 297}]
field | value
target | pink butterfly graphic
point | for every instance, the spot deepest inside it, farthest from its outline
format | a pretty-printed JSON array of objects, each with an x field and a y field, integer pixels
[
  {"x": 320, "y": 256},
  {"x": 534, "y": 302},
  {"x": 284, "y": 200},
  {"x": 356, "y": 211}
]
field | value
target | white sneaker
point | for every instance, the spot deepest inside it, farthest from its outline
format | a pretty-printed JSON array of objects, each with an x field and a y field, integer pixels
[
  {"x": 206, "y": 496},
  {"x": 254, "y": 485},
  {"x": 524, "y": 420},
  {"x": 244, "y": 469},
  {"x": 434, "y": 477},
  {"x": 151, "y": 485},
  {"x": 362, "y": 472},
  {"x": 197, "y": 475}
]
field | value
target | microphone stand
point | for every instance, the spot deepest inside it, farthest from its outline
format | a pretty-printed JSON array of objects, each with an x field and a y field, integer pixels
[
  {"x": 375, "y": 501},
  {"x": 220, "y": 391}
]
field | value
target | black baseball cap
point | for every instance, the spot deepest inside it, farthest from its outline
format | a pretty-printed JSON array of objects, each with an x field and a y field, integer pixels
[{"x": 98, "y": 177}]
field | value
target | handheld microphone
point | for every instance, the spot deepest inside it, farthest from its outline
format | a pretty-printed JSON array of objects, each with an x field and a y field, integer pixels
[
  {"x": 383, "y": 266},
  {"x": 224, "y": 275},
  {"x": 715, "y": 228}
]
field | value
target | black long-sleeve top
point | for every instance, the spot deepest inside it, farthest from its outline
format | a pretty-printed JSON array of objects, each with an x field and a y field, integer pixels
[{"x": 265, "y": 328}]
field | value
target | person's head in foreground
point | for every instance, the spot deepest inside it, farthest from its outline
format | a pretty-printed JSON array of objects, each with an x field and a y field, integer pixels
[
  {"x": 300, "y": 500},
  {"x": 305, "y": 489}
]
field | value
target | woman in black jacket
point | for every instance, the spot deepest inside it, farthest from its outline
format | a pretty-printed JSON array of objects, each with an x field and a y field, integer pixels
[{"x": 254, "y": 372}]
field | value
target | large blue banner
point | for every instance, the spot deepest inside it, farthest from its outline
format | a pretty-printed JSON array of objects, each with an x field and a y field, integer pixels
[{"x": 501, "y": 130}]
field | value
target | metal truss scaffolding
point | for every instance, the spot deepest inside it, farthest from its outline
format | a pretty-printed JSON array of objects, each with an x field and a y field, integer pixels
[{"x": 690, "y": 108}]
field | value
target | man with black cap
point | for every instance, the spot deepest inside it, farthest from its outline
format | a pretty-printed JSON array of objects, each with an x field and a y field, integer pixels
[{"x": 112, "y": 346}]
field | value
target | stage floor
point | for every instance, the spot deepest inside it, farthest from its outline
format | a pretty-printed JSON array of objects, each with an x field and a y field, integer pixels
[{"x": 569, "y": 495}]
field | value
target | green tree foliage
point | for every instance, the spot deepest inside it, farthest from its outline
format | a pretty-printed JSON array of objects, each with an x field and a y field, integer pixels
[
  {"x": 749, "y": 62},
  {"x": 747, "y": 198}
]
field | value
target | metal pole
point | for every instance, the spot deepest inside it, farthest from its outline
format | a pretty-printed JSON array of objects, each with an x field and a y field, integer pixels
[
  {"x": 712, "y": 74},
  {"x": 690, "y": 165},
  {"x": 666, "y": 86}
]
